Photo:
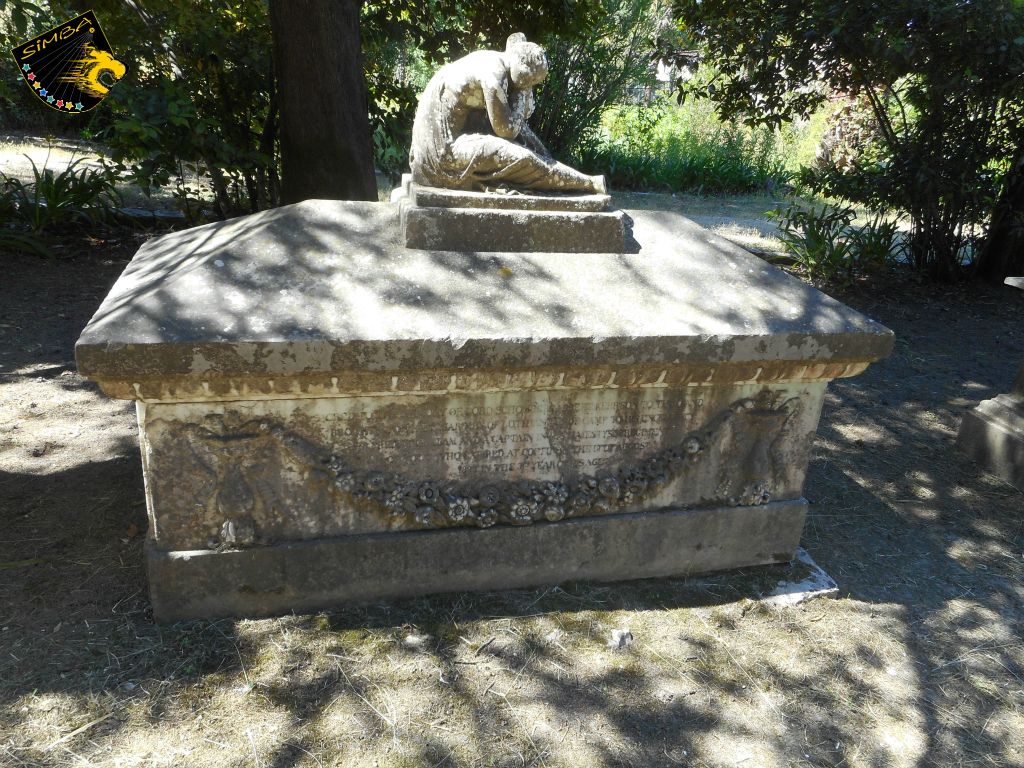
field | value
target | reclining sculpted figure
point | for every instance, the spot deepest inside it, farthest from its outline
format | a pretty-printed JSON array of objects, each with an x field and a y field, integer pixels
[{"x": 470, "y": 130}]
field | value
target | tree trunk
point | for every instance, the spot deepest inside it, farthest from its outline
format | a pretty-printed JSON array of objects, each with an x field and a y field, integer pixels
[
  {"x": 1003, "y": 253},
  {"x": 326, "y": 144}
]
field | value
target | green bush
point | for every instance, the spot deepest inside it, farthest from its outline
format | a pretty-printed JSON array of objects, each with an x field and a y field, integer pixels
[
  {"x": 53, "y": 200},
  {"x": 825, "y": 244},
  {"x": 75, "y": 195},
  {"x": 589, "y": 74},
  {"x": 941, "y": 82},
  {"x": 685, "y": 148}
]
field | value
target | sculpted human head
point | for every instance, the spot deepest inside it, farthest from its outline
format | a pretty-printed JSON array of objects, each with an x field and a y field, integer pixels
[{"x": 527, "y": 63}]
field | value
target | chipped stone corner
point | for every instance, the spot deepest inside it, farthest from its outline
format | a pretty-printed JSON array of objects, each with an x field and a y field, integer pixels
[{"x": 812, "y": 582}]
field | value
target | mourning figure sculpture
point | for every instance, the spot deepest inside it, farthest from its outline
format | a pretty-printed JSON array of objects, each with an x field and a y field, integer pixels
[{"x": 470, "y": 130}]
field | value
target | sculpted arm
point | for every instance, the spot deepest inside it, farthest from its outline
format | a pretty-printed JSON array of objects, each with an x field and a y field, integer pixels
[
  {"x": 506, "y": 122},
  {"x": 530, "y": 140}
]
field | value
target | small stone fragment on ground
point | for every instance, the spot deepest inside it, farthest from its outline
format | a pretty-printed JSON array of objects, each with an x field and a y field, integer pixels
[
  {"x": 416, "y": 642},
  {"x": 816, "y": 583},
  {"x": 620, "y": 639}
]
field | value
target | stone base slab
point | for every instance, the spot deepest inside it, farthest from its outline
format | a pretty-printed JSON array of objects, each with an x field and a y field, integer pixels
[
  {"x": 313, "y": 575},
  {"x": 993, "y": 435},
  {"x": 491, "y": 230}
]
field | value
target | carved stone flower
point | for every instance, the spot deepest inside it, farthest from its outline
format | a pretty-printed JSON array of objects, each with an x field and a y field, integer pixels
[
  {"x": 527, "y": 489},
  {"x": 608, "y": 487},
  {"x": 554, "y": 513},
  {"x": 374, "y": 481},
  {"x": 692, "y": 446},
  {"x": 486, "y": 518},
  {"x": 758, "y": 493},
  {"x": 676, "y": 459},
  {"x": 635, "y": 491},
  {"x": 580, "y": 502},
  {"x": 522, "y": 510},
  {"x": 424, "y": 515},
  {"x": 345, "y": 481},
  {"x": 428, "y": 492},
  {"x": 458, "y": 509},
  {"x": 555, "y": 493},
  {"x": 489, "y": 496},
  {"x": 394, "y": 502},
  {"x": 334, "y": 464}
]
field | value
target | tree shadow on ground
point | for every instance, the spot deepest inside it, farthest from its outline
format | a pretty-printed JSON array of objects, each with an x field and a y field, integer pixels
[{"x": 920, "y": 663}]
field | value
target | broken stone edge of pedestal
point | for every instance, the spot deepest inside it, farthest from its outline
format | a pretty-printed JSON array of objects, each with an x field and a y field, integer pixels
[
  {"x": 813, "y": 584},
  {"x": 993, "y": 435},
  {"x": 307, "y": 576}
]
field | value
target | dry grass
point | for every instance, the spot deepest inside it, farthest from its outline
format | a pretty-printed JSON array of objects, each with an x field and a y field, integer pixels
[{"x": 919, "y": 663}]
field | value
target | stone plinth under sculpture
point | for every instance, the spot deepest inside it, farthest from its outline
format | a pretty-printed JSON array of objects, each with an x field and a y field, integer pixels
[
  {"x": 453, "y": 220},
  {"x": 327, "y": 415}
]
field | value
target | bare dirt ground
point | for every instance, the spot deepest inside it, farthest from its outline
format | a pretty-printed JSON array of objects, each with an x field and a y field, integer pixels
[{"x": 919, "y": 662}]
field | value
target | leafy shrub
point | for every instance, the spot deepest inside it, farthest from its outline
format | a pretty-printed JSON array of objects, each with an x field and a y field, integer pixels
[
  {"x": 589, "y": 74},
  {"x": 75, "y": 195},
  {"x": 198, "y": 94},
  {"x": 878, "y": 243},
  {"x": 941, "y": 81},
  {"x": 677, "y": 148},
  {"x": 824, "y": 243},
  {"x": 816, "y": 239}
]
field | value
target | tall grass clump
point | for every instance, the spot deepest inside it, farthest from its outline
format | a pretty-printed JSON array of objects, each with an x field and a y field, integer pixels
[{"x": 687, "y": 148}]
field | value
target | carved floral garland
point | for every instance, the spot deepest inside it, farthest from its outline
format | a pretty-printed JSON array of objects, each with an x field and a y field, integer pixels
[{"x": 431, "y": 504}]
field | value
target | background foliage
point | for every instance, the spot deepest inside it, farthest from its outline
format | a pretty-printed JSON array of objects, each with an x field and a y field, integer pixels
[
  {"x": 925, "y": 100},
  {"x": 942, "y": 79},
  {"x": 612, "y": 63}
]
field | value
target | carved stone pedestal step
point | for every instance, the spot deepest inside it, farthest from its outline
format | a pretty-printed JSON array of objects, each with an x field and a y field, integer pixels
[
  {"x": 309, "y": 576},
  {"x": 993, "y": 434},
  {"x": 455, "y": 220}
]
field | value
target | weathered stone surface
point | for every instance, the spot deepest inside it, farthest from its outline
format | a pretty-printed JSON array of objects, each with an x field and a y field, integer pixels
[
  {"x": 319, "y": 298},
  {"x": 314, "y": 398},
  {"x": 479, "y": 229},
  {"x": 289, "y": 470},
  {"x": 435, "y": 197},
  {"x": 993, "y": 434},
  {"x": 312, "y": 575}
]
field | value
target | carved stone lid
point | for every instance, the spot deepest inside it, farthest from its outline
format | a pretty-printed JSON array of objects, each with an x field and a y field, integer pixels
[{"x": 323, "y": 286}]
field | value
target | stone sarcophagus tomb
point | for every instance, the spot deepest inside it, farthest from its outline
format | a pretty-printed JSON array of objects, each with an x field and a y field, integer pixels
[{"x": 327, "y": 414}]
